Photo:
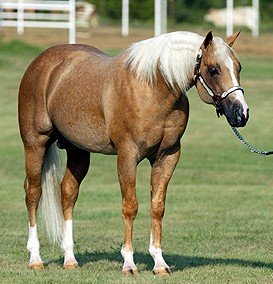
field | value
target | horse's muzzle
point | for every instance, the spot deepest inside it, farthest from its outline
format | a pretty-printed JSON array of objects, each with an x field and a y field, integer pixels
[
  {"x": 238, "y": 117},
  {"x": 236, "y": 114}
]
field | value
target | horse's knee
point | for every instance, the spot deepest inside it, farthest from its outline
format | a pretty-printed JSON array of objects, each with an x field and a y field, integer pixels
[
  {"x": 158, "y": 209},
  {"x": 129, "y": 208}
]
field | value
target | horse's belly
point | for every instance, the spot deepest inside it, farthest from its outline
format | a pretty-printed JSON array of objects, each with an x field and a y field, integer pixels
[
  {"x": 90, "y": 139},
  {"x": 84, "y": 130}
]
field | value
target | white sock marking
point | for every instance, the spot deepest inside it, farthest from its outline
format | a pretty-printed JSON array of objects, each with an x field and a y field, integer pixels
[
  {"x": 156, "y": 253},
  {"x": 33, "y": 245},
  {"x": 67, "y": 242},
  {"x": 128, "y": 257}
]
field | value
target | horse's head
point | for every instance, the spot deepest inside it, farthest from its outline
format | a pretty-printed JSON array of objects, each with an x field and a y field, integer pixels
[{"x": 217, "y": 79}]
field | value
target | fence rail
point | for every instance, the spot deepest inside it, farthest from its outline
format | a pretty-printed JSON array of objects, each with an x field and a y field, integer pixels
[{"x": 51, "y": 14}]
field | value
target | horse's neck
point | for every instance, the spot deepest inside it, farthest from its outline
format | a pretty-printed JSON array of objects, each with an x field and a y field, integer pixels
[
  {"x": 173, "y": 55},
  {"x": 182, "y": 74}
]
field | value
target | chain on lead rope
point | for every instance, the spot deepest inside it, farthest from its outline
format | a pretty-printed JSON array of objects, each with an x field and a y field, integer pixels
[{"x": 250, "y": 147}]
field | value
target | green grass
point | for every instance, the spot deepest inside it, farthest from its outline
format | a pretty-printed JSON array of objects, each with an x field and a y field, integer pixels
[{"x": 218, "y": 224}]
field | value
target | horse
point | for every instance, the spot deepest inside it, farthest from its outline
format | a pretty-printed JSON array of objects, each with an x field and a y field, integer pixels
[{"x": 133, "y": 105}]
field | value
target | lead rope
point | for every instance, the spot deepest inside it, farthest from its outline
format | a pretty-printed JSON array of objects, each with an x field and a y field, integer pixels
[{"x": 250, "y": 147}]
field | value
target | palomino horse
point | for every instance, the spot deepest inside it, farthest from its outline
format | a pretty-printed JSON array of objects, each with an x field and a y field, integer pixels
[{"x": 133, "y": 105}]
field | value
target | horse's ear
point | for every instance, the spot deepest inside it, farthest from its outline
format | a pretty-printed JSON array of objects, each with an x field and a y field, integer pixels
[
  {"x": 207, "y": 41},
  {"x": 231, "y": 39}
]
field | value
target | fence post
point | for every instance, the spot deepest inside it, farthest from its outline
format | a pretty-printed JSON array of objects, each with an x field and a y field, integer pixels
[
  {"x": 160, "y": 10},
  {"x": 125, "y": 18},
  {"x": 164, "y": 15},
  {"x": 72, "y": 21},
  {"x": 20, "y": 17},
  {"x": 229, "y": 17},
  {"x": 255, "y": 27}
]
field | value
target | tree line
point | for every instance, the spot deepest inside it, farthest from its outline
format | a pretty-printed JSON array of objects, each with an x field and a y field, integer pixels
[{"x": 188, "y": 11}]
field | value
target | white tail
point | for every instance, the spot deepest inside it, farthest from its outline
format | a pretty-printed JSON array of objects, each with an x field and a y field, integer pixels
[{"x": 50, "y": 203}]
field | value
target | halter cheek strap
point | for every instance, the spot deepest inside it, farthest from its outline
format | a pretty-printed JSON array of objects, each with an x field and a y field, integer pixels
[
  {"x": 216, "y": 98},
  {"x": 223, "y": 95}
]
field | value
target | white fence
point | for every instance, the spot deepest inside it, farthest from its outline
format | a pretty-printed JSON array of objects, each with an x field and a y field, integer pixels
[
  {"x": 246, "y": 16},
  {"x": 39, "y": 14},
  {"x": 160, "y": 17}
]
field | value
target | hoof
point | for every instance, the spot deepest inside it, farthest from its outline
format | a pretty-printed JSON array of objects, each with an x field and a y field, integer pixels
[
  {"x": 71, "y": 265},
  {"x": 130, "y": 271},
  {"x": 36, "y": 265},
  {"x": 162, "y": 271}
]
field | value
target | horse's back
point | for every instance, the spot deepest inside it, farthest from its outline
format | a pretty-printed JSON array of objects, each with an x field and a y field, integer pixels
[{"x": 38, "y": 83}]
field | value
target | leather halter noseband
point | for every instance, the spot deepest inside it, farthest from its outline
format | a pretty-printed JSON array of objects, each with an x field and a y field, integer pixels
[{"x": 216, "y": 98}]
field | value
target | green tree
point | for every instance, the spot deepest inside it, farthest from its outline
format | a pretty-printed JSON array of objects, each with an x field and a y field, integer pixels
[{"x": 191, "y": 11}]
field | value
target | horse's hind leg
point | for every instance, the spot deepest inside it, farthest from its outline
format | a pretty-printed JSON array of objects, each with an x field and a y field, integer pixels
[
  {"x": 77, "y": 166},
  {"x": 162, "y": 169},
  {"x": 34, "y": 158}
]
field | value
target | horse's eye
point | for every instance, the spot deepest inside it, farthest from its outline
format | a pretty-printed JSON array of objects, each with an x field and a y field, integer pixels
[{"x": 213, "y": 71}]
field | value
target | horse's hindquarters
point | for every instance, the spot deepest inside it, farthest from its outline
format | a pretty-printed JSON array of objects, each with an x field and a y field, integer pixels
[{"x": 78, "y": 115}]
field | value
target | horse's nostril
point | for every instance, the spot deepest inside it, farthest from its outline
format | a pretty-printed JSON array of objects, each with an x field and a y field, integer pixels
[
  {"x": 238, "y": 114},
  {"x": 240, "y": 117}
]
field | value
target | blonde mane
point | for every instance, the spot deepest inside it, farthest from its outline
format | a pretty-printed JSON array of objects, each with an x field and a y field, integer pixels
[{"x": 173, "y": 53}]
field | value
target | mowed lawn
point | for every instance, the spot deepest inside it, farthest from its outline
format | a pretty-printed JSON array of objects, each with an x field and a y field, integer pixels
[{"x": 218, "y": 225}]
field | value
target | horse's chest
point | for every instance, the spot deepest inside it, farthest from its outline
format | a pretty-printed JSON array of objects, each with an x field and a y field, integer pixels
[
  {"x": 166, "y": 134},
  {"x": 161, "y": 129},
  {"x": 176, "y": 123}
]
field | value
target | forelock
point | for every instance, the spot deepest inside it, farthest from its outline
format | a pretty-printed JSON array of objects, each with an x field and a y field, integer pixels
[{"x": 221, "y": 50}]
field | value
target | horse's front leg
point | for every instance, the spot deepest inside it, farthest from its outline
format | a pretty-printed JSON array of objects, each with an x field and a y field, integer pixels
[
  {"x": 162, "y": 169},
  {"x": 127, "y": 163}
]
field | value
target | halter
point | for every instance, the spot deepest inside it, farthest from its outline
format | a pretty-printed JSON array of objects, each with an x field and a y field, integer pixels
[{"x": 216, "y": 98}]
